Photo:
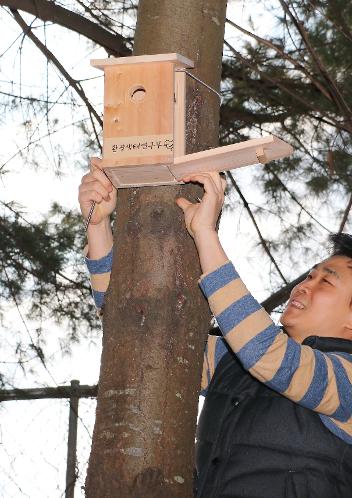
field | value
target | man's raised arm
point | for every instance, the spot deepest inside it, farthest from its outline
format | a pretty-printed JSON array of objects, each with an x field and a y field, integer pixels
[
  {"x": 96, "y": 187},
  {"x": 319, "y": 381}
]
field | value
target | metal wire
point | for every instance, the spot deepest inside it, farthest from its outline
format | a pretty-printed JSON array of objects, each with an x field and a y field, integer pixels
[
  {"x": 201, "y": 82},
  {"x": 89, "y": 217}
]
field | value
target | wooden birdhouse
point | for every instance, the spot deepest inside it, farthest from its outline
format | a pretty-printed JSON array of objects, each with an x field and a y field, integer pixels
[{"x": 145, "y": 122}]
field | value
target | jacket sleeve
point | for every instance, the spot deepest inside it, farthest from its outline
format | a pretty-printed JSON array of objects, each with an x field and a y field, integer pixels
[
  {"x": 318, "y": 381},
  {"x": 99, "y": 270}
]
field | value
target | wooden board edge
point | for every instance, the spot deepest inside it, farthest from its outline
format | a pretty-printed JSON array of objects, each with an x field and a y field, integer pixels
[
  {"x": 159, "y": 184},
  {"x": 238, "y": 147},
  {"x": 180, "y": 114},
  {"x": 222, "y": 158},
  {"x": 179, "y": 60}
]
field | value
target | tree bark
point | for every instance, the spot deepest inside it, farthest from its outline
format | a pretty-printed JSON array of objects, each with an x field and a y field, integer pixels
[{"x": 155, "y": 319}]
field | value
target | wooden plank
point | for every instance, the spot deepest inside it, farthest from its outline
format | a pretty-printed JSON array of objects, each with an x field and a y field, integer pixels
[
  {"x": 232, "y": 156},
  {"x": 138, "y": 106},
  {"x": 179, "y": 61},
  {"x": 180, "y": 114},
  {"x": 140, "y": 175}
]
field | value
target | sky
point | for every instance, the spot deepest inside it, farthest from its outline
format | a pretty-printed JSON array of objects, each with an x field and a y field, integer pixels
[{"x": 32, "y": 434}]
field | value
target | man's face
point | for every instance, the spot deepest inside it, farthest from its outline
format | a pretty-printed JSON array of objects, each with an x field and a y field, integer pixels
[{"x": 322, "y": 304}]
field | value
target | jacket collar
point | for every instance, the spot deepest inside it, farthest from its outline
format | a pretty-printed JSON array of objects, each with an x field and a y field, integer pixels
[{"x": 327, "y": 344}]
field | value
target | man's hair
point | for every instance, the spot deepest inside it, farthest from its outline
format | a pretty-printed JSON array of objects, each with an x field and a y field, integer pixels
[{"x": 341, "y": 244}]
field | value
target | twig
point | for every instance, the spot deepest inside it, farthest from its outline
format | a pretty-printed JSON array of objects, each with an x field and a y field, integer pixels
[
  {"x": 294, "y": 198},
  {"x": 285, "y": 56},
  {"x": 37, "y": 349},
  {"x": 51, "y": 57},
  {"x": 95, "y": 132},
  {"x": 334, "y": 123},
  {"x": 345, "y": 215},
  {"x": 108, "y": 18},
  {"x": 262, "y": 240},
  {"x": 35, "y": 99},
  {"x": 334, "y": 91},
  {"x": 49, "y": 238},
  {"x": 277, "y": 83},
  {"x": 19, "y": 151},
  {"x": 342, "y": 27},
  {"x": 45, "y": 10}
]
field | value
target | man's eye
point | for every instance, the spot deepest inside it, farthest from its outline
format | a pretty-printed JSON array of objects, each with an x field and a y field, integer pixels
[{"x": 327, "y": 281}]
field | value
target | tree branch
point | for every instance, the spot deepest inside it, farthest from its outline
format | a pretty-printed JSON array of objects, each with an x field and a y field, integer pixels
[
  {"x": 51, "y": 57},
  {"x": 75, "y": 285},
  {"x": 294, "y": 198},
  {"x": 17, "y": 263},
  {"x": 33, "y": 142},
  {"x": 334, "y": 91},
  {"x": 114, "y": 44},
  {"x": 284, "y": 56},
  {"x": 248, "y": 117},
  {"x": 262, "y": 240},
  {"x": 345, "y": 215},
  {"x": 292, "y": 94},
  {"x": 35, "y": 347},
  {"x": 342, "y": 27},
  {"x": 34, "y": 99}
]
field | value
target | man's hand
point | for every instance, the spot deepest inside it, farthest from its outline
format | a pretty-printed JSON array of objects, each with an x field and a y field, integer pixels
[
  {"x": 96, "y": 187},
  {"x": 203, "y": 216},
  {"x": 201, "y": 219}
]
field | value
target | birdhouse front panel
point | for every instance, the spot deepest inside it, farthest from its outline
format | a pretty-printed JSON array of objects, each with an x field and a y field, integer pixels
[{"x": 139, "y": 114}]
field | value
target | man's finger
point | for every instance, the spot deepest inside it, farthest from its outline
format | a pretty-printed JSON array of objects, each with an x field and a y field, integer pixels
[
  {"x": 97, "y": 186},
  {"x": 103, "y": 179},
  {"x": 205, "y": 179},
  {"x": 215, "y": 176},
  {"x": 98, "y": 175},
  {"x": 96, "y": 162},
  {"x": 88, "y": 177},
  {"x": 183, "y": 203},
  {"x": 91, "y": 195}
]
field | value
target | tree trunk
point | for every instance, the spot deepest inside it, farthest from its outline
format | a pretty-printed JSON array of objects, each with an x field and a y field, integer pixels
[{"x": 155, "y": 319}]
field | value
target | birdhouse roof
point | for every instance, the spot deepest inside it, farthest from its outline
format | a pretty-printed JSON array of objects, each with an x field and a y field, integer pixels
[{"x": 178, "y": 60}]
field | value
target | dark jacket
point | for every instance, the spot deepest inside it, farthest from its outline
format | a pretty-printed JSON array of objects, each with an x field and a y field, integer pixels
[{"x": 254, "y": 443}]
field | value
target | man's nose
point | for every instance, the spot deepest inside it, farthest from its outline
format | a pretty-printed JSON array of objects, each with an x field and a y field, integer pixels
[{"x": 305, "y": 286}]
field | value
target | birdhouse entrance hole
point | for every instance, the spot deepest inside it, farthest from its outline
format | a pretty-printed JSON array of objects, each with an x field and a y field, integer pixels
[{"x": 138, "y": 93}]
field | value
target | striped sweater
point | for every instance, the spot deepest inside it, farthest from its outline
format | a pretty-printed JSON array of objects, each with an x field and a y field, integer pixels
[
  {"x": 316, "y": 380},
  {"x": 99, "y": 270}
]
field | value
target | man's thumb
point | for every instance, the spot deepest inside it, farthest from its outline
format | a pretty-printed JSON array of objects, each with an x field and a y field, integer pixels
[
  {"x": 95, "y": 163},
  {"x": 183, "y": 203}
]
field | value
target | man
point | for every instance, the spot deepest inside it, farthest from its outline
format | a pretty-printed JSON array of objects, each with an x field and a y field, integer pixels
[{"x": 277, "y": 418}]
